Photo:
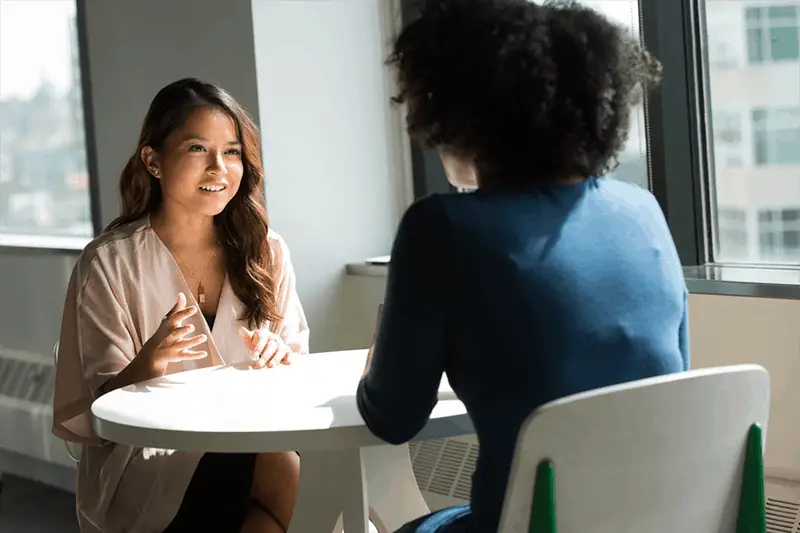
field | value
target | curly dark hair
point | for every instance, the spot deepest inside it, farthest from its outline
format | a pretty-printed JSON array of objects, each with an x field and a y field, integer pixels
[{"x": 530, "y": 93}]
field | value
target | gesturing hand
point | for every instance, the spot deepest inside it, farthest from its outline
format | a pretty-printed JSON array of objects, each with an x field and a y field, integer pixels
[
  {"x": 168, "y": 344},
  {"x": 267, "y": 348}
]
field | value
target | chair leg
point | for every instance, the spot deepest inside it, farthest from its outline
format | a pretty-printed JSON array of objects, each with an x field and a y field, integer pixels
[
  {"x": 543, "y": 508},
  {"x": 752, "y": 517}
]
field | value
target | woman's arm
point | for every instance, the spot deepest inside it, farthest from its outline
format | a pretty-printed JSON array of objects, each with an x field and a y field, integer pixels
[
  {"x": 95, "y": 346},
  {"x": 400, "y": 387}
]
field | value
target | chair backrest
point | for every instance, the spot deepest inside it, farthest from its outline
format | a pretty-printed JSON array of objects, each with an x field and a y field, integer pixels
[
  {"x": 660, "y": 455},
  {"x": 73, "y": 448}
]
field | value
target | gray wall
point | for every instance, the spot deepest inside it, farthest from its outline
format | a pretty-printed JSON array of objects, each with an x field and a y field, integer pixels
[{"x": 134, "y": 49}]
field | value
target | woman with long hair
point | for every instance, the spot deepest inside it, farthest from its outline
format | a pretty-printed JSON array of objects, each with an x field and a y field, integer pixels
[
  {"x": 547, "y": 280},
  {"x": 188, "y": 276}
]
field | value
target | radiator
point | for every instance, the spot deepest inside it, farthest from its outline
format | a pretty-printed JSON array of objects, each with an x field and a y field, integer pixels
[{"x": 26, "y": 415}]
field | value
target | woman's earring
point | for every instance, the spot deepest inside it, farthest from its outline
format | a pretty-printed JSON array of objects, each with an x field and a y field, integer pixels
[{"x": 155, "y": 172}]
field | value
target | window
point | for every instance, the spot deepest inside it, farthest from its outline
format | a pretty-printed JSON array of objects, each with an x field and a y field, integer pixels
[
  {"x": 727, "y": 138},
  {"x": 44, "y": 182},
  {"x": 732, "y": 231},
  {"x": 779, "y": 235},
  {"x": 776, "y": 136},
  {"x": 755, "y": 111},
  {"x": 773, "y": 33}
]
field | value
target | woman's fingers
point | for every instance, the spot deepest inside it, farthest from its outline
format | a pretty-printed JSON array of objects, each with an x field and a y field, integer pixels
[
  {"x": 179, "y": 304},
  {"x": 274, "y": 352},
  {"x": 192, "y": 354},
  {"x": 175, "y": 319},
  {"x": 260, "y": 342},
  {"x": 178, "y": 333},
  {"x": 191, "y": 342}
]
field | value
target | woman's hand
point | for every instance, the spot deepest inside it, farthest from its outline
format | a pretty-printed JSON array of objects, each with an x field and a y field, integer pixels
[
  {"x": 267, "y": 348},
  {"x": 169, "y": 343}
]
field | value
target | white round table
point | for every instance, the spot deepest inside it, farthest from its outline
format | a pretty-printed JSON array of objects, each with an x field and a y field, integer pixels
[{"x": 308, "y": 406}]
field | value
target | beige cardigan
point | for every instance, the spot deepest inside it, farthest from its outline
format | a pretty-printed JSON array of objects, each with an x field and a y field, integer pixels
[{"x": 122, "y": 286}]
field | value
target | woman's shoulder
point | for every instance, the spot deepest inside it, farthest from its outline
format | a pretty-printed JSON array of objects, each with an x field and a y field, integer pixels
[
  {"x": 122, "y": 243},
  {"x": 280, "y": 250}
]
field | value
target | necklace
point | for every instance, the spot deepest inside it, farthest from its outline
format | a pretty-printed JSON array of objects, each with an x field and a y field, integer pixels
[{"x": 201, "y": 291}]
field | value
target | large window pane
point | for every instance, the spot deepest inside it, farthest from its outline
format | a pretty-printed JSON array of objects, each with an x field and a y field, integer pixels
[
  {"x": 44, "y": 183},
  {"x": 757, "y": 157}
]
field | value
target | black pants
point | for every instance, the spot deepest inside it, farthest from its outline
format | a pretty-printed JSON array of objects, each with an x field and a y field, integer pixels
[{"x": 218, "y": 496}]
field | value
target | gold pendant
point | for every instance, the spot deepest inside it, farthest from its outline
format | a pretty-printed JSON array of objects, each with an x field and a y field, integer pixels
[{"x": 201, "y": 294}]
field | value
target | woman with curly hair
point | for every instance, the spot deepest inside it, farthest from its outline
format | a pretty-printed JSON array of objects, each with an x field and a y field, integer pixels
[{"x": 549, "y": 279}]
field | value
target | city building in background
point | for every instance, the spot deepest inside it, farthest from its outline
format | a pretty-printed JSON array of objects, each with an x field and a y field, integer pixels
[
  {"x": 754, "y": 87},
  {"x": 44, "y": 182}
]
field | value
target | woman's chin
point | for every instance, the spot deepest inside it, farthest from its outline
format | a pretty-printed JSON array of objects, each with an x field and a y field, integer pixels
[{"x": 212, "y": 206}]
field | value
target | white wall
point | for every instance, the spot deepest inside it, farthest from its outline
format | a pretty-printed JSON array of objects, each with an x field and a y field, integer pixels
[{"x": 332, "y": 144}]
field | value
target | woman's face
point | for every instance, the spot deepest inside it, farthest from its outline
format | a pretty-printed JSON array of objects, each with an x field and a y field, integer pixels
[
  {"x": 460, "y": 173},
  {"x": 200, "y": 166}
]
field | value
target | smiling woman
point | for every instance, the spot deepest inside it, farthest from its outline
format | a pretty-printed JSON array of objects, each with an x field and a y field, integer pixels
[{"x": 188, "y": 276}]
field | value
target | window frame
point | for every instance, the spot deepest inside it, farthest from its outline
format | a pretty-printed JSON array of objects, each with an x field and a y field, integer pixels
[{"x": 16, "y": 243}]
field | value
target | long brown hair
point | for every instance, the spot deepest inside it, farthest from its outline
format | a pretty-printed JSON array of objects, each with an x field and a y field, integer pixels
[{"x": 242, "y": 225}]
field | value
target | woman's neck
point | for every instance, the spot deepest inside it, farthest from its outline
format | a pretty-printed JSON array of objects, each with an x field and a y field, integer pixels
[{"x": 182, "y": 231}]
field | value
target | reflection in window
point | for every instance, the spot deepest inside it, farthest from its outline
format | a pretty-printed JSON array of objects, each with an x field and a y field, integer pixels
[
  {"x": 773, "y": 34},
  {"x": 44, "y": 183}
]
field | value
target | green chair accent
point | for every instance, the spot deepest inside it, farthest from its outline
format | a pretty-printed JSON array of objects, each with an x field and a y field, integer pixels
[
  {"x": 752, "y": 517},
  {"x": 657, "y": 455}
]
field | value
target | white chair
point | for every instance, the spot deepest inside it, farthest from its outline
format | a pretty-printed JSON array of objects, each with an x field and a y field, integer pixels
[
  {"x": 73, "y": 448},
  {"x": 671, "y": 454}
]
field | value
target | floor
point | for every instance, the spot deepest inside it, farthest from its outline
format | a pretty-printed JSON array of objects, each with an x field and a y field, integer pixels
[{"x": 29, "y": 507}]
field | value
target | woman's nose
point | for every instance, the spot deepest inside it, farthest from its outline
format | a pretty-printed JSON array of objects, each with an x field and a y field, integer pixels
[{"x": 217, "y": 163}]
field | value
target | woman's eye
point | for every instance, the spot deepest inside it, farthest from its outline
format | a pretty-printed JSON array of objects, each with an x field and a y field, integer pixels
[
  {"x": 196, "y": 148},
  {"x": 234, "y": 151}
]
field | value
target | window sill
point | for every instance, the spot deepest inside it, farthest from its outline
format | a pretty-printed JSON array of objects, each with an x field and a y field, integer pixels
[
  {"x": 374, "y": 267},
  {"x": 723, "y": 280},
  {"x": 760, "y": 281},
  {"x": 15, "y": 242}
]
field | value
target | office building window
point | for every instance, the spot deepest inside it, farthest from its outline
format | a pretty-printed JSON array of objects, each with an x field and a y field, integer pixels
[
  {"x": 773, "y": 33},
  {"x": 732, "y": 232},
  {"x": 44, "y": 182},
  {"x": 779, "y": 235},
  {"x": 755, "y": 112},
  {"x": 727, "y": 138},
  {"x": 776, "y": 136}
]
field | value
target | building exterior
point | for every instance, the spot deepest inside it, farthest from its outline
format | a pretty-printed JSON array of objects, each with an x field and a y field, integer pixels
[{"x": 754, "y": 70}]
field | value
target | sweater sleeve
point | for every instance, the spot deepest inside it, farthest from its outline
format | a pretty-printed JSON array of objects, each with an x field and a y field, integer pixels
[{"x": 399, "y": 391}]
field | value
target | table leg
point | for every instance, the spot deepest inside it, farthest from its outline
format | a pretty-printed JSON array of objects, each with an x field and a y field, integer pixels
[
  {"x": 319, "y": 502},
  {"x": 394, "y": 496},
  {"x": 355, "y": 512},
  {"x": 342, "y": 489}
]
